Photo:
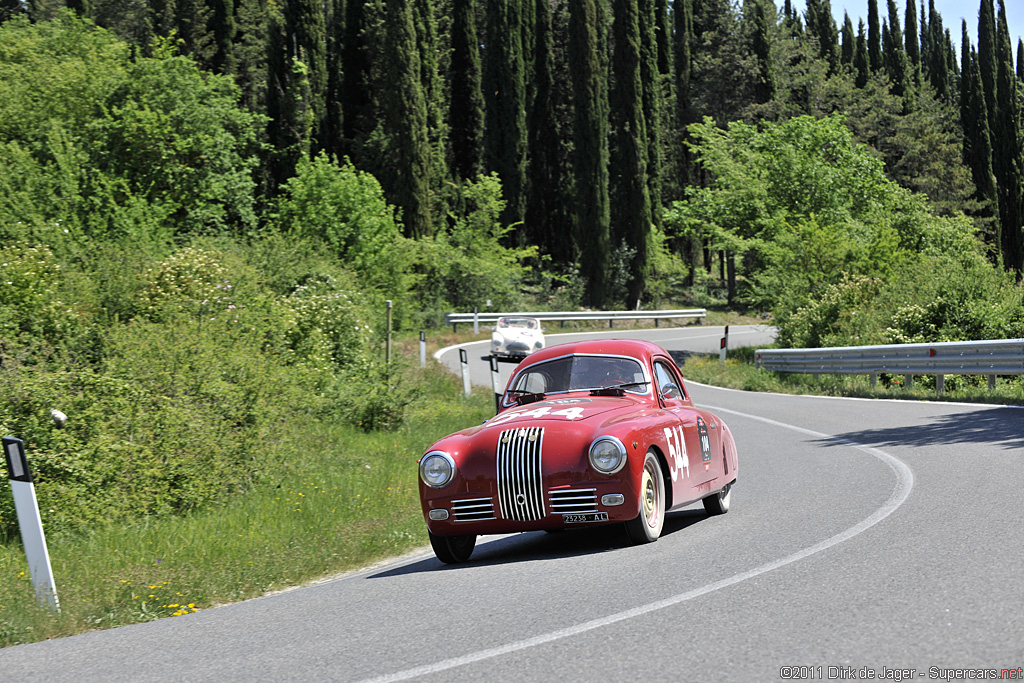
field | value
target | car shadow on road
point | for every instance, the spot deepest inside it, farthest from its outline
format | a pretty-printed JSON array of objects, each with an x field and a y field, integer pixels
[
  {"x": 1000, "y": 427},
  {"x": 532, "y": 546}
]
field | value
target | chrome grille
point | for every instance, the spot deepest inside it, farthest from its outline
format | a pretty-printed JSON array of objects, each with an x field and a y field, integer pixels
[
  {"x": 572, "y": 500},
  {"x": 472, "y": 509},
  {"x": 520, "y": 491}
]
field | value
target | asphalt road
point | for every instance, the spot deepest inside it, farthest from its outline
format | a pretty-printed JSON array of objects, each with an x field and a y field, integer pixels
[{"x": 865, "y": 537}]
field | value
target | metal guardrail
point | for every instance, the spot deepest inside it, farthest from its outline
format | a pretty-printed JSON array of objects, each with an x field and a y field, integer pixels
[
  {"x": 454, "y": 319},
  {"x": 989, "y": 357}
]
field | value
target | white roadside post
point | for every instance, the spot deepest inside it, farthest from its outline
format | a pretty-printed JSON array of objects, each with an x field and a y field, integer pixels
[
  {"x": 464, "y": 360},
  {"x": 723, "y": 347},
  {"x": 423, "y": 349},
  {"x": 30, "y": 523}
]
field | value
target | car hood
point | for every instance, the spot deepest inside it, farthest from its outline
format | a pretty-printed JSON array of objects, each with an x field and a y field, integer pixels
[{"x": 572, "y": 410}]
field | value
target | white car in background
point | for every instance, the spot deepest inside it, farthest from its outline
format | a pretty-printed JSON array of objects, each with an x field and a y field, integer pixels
[{"x": 515, "y": 337}]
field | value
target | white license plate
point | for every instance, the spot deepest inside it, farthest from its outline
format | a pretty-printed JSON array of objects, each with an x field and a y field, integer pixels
[{"x": 586, "y": 517}]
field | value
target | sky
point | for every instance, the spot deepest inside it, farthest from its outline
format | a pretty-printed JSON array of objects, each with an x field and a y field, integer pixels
[{"x": 952, "y": 12}]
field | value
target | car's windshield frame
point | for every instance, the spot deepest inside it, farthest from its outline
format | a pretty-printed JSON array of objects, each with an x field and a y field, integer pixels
[{"x": 634, "y": 387}]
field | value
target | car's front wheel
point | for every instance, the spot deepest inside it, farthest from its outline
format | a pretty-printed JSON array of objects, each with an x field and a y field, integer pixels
[
  {"x": 718, "y": 503},
  {"x": 647, "y": 525},
  {"x": 452, "y": 549}
]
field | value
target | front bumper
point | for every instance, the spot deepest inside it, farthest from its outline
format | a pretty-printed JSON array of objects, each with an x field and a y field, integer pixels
[{"x": 567, "y": 506}]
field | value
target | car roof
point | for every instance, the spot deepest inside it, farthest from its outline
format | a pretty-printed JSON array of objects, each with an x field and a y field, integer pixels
[{"x": 636, "y": 348}]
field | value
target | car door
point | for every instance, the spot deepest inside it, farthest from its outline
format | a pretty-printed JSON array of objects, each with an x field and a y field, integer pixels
[{"x": 692, "y": 439}]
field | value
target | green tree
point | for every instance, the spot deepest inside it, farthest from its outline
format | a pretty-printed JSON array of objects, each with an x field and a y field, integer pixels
[
  {"x": 590, "y": 137},
  {"x": 505, "y": 102},
  {"x": 860, "y": 58},
  {"x": 910, "y": 38},
  {"x": 938, "y": 71},
  {"x": 895, "y": 58},
  {"x": 874, "y": 37},
  {"x": 466, "y": 113},
  {"x": 849, "y": 41},
  {"x": 631, "y": 203},
  {"x": 764, "y": 89},
  {"x": 978, "y": 146},
  {"x": 405, "y": 122},
  {"x": 987, "y": 39},
  {"x": 1007, "y": 158},
  {"x": 306, "y": 41}
]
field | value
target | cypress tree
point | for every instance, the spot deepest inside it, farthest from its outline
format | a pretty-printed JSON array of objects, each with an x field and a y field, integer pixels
[
  {"x": 505, "y": 104},
  {"x": 360, "y": 117},
  {"x": 305, "y": 26},
  {"x": 1020, "y": 59},
  {"x": 405, "y": 121},
  {"x": 822, "y": 26},
  {"x": 965, "y": 82},
  {"x": 333, "y": 132},
  {"x": 466, "y": 110},
  {"x": 860, "y": 58},
  {"x": 684, "y": 114},
  {"x": 631, "y": 203},
  {"x": 938, "y": 74},
  {"x": 874, "y": 37},
  {"x": 849, "y": 42},
  {"x": 913, "y": 48},
  {"x": 650, "y": 82},
  {"x": 764, "y": 90},
  {"x": 987, "y": 57},
  {"x": 886, "y": 41},
  {"x": 663, "y": 34},
  {"x": 223, "y": 24},
  {"x": 192, "y": 17},
  {"x": 1008, "y": 162},
  {"x": 288, "y": 106},
  {"x": 590, "y": 137},
  {"x": 547, "y": 216},
  {"x": 978, "y": 143},
  {"x": 896, "y": 58},
  {"x": 925, "y": 39}
]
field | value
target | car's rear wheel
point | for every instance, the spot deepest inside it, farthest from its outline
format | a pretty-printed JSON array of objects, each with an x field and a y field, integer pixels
[
  {"x": 647, "y": 525},
  {"x": 718, "y": 503},
  {"x": 452, "y": 549}
]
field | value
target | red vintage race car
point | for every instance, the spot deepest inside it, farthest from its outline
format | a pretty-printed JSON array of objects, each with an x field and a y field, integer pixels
[{"x": 589, "y": 433}]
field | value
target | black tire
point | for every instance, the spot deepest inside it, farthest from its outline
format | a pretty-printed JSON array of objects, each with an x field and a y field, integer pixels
[
  {"x": 452, "y": 549},
  {"x": 647, "y": 526},
  {"x": 718, "y": 503}
]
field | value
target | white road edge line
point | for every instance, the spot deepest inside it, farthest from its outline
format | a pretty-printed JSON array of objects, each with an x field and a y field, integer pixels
[{"x": 904, "y": 484}]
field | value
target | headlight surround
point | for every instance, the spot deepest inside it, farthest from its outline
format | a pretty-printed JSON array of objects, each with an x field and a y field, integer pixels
[
  {"x": 607, "y": 454},
  {"x": 437, "y": 469}
]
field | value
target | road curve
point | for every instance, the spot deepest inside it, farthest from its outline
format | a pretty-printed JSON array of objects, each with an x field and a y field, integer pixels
[{"x": 875, "y": 535}]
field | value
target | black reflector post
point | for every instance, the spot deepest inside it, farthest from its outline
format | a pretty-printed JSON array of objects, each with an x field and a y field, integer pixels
[{"x": 29, "y": 522}]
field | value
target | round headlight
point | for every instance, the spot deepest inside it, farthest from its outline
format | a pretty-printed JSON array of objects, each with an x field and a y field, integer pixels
[
  {"x": 437, "y": 469},
  {"x": 607, "y": 454}
]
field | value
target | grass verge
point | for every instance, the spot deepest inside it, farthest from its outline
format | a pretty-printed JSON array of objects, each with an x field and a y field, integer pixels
[
  {"x": 739, "y": 372},
  {"x": 344, "y": 500}
]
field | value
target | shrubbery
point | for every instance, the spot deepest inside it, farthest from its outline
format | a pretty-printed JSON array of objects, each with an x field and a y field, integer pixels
[{"x": 183, "y": 332}]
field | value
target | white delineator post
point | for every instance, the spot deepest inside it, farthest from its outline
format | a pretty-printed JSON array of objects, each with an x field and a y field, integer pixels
[
  {"x": 464, "y": 360},
  {"x": 723, "y": 347},
  {"x": 30, "y": 523}
]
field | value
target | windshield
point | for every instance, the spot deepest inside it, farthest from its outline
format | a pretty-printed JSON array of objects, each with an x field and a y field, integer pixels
[
  {"x": 524, "y": 323},
  {"x": 580, "y": 373}
]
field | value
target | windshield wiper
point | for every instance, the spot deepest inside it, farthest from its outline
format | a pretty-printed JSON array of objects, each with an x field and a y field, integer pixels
[
  {"x": 615, "y": 389},
  {"x": 525, "y": 397}
]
